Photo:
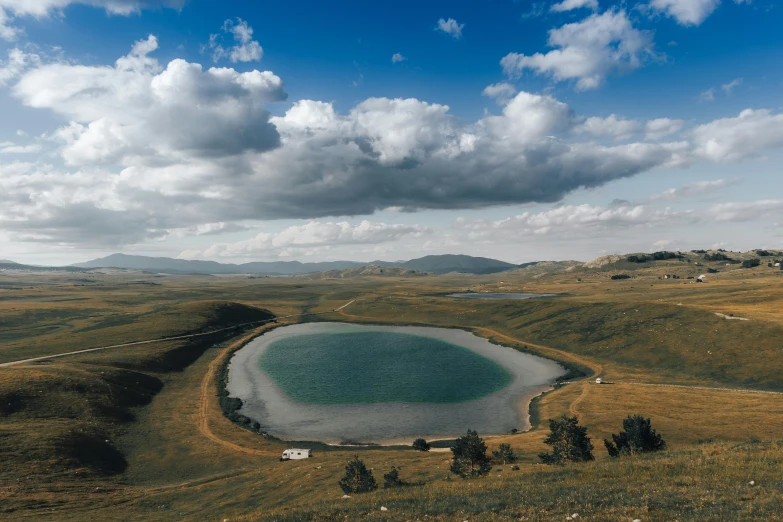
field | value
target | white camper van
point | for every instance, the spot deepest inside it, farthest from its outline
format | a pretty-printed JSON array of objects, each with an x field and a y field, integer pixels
[{"x": 296, "y": 454}]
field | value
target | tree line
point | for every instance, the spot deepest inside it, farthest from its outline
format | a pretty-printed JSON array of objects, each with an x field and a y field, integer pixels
[{"x": 568, "y": 440}]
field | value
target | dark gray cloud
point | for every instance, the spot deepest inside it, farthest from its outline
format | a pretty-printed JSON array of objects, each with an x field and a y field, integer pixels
[{"x": 155, "y": 151}]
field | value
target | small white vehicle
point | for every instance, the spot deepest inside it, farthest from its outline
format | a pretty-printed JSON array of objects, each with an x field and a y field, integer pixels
[
  {"x": 599, "y": 380},
  {"x": 296, "y": 454}
]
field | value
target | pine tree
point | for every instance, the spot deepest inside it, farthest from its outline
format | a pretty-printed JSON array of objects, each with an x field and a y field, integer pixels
[
  {"x": 569, "y": 442},
  {"x": 470, "y": 457},
  {"x": 357, "y": 479},
  {"x": 392, "y": 479},
  {"x": 421, "y": 445},
  {"x": 505, "y": 453},
  {"x": 638, "y": 436}
]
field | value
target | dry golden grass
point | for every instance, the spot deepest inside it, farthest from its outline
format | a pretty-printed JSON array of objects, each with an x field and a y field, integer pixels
[{"x": 177, "y": 469}]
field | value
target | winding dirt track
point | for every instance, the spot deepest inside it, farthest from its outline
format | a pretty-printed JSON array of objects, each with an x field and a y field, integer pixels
[
  {"x": 205, "y": 397},
  {"x": 582, "y": 396},
  {"x": 164, "y": 339}
]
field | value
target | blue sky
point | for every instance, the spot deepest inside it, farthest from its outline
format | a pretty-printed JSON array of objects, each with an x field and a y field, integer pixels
[
  {"x": 345, "y": 153},
  {"x": 320, "y": 48}
]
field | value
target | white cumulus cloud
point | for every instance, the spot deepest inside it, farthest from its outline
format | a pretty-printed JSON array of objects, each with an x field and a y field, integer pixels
[
  {"x": 13, "y": 148},
  {"x": 7, "y": 31},
  {"x": 154, "y": 150},
  {"x": 567, "y": 218},
  {"x": 17, "y": 62},
  {"x": 12, "y": 9},
  {"x": 313, "y": 235},
  {"x": 245, "y": 49},
  {"x": 569, "y": 5},
  {"x": 450, "y": 27},
  {"x": 698, "y": 188},
  {"x": 40, "y": 8},
  {"x": 750, "y": 133},
  {"x": 769, "y": 209},
  {"x": 611, "y": 126},
  {"x": 662, "y": 127},
  {"x": 500, "y": 92},
  {"x": 587, "y": 51},
  {"x": 686, "y": 12},
  {"x": 139, "y": 112}
]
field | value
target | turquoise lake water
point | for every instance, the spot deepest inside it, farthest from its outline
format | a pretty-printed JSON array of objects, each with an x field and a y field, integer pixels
[
  {"x": 335, "y": 382},
  {"x": 378, "y": 367}
]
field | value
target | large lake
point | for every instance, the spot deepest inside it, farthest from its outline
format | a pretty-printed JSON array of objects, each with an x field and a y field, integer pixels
[{"x": 335, "y": 382}]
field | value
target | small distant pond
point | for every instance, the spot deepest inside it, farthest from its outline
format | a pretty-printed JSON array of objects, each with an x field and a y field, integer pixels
[
  {"x": 52, "y": 299},
  {"x": 479, "y": 295},
  {"x": 335, "y": 382}
]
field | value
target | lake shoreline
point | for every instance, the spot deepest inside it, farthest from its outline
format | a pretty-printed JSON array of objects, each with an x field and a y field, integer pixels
[{"x": 517, "y": 395}]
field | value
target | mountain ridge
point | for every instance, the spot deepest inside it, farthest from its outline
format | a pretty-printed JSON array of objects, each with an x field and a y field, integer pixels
[{"x": 438, "y": 264}]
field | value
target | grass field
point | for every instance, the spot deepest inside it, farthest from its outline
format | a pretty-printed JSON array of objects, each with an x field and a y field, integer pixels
[{"x": 136, "y": 433}]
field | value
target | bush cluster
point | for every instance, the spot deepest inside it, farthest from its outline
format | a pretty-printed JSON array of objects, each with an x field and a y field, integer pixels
[
  {"x": 569, "y": 441},
  {"x": 638, "y": 436},
  {"x": 656, "y": 256},
  {"x": 357, "y": 478},
  {"x": 717, "y": 256},
  {"x": 469, "y": 456},
  {"x": 421, "y": 445}
]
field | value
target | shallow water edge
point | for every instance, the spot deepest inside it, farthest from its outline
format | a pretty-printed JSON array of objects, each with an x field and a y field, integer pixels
[{"x": 389, "y": 423}]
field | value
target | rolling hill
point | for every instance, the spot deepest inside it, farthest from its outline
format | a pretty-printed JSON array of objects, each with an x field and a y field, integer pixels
[
  {"x": 444, "y": 264},
  {"x": 440, "y": 264},
  {"x": 144, "y": 431},
  {"x": 169, "y": 265},
  {"x": 10, "y": 265},
  {"x": 368, "y": 270}
]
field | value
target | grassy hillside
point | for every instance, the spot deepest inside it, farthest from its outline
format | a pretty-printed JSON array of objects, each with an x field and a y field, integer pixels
[
  {"x": 709, "y": 482},
  {"x": 683, "y": 343},
  {"x": 59, "y": 420},
  {"x": 138, "y": 433}
]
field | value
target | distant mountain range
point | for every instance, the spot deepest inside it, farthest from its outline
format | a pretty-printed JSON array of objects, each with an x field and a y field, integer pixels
[
  {"x": 441, "y": 264},
  {"x": 367, "y": 270},
  {"x": 11, "y": 265}
]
